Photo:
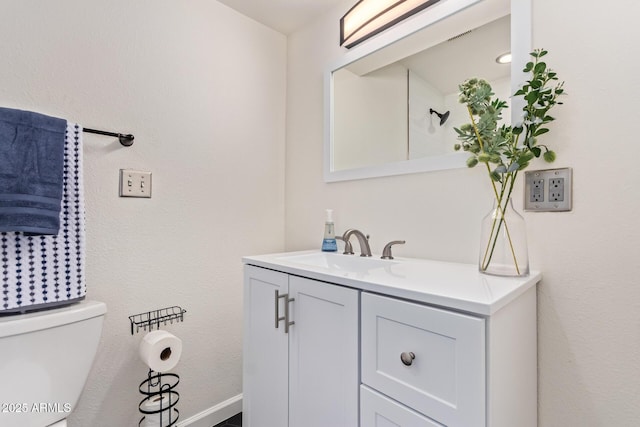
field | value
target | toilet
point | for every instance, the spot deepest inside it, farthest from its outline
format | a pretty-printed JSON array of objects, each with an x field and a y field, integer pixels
[{"x": 45, "y": 358}]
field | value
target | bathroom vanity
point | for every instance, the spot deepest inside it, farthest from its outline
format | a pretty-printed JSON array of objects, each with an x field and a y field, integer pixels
[{"x": 341, "y": 340}]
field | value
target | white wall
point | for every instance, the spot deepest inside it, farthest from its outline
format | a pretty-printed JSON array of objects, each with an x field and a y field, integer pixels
[
  {"x": 203, "y": 90},
  {"x": 589, "y": 299},
  {"x": 426, "y": 135},
  {"x": 369, "y": 132}
]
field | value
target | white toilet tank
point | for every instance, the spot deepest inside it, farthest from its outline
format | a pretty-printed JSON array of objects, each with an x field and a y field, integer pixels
[{"x": 45, "y": 358}]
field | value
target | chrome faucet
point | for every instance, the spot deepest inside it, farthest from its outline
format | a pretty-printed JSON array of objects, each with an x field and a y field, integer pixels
[{"x": 362, "y": 239}]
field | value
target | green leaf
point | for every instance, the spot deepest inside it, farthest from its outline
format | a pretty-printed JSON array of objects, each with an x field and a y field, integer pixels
[
  {"x": 495, "y": 176},
  {"x": 541, "y": 131},
  {"x": 484, "y": 157},
  {"x": 540, "y": 67},
  {"x": 536, "y": 151},
  {"x": 531, "y": 97},
  {"x": 526, "y": 156},
  {"x": 549, "y": 156},
  {"x": 472, "y": 161},
  {"x": 538, "y": 53},
  {"x": 495, "y": 158}
]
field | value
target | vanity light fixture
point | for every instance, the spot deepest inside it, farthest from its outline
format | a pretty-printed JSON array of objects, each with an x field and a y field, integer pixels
[
  {"x": 505, "y": 58},
  {"x": 369, "y": 17}
]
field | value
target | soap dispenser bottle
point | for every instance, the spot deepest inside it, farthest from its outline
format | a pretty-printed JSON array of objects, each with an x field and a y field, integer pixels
[{"x": 329, "y": 242}]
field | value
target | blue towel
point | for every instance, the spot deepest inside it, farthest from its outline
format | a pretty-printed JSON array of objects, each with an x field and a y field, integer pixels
[{"x": 31, "y": 163}]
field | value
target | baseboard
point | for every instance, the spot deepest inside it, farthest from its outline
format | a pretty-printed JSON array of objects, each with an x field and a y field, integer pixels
[{"x": 214, "y": 415}]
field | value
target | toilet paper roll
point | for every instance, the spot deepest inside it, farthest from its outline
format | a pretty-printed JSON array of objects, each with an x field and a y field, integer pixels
[
  {"x": 160, "y": 415},
  {"x": 160, "y": 350}
]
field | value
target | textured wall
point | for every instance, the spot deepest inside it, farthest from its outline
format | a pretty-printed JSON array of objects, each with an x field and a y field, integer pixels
[
  {"x": 589, "y": 299},
  {"x": 203, "y": 90}
]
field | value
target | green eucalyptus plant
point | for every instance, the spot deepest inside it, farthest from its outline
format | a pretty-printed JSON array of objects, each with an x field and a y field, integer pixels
[{"x": 507, "y": 150}]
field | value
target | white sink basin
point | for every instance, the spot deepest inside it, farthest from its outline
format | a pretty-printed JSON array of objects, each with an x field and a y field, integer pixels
[
  {"x": 338, "y": 261},
  {"x": 459, "y": 286}
]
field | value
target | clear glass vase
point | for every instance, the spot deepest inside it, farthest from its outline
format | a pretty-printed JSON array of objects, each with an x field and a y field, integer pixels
[{"x": 503, "y": 242}]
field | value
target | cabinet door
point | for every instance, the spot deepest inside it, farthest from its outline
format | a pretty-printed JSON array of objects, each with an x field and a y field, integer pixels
[
  {"x": 265, "y": 358},
  {"x": 323, "y": 352}
]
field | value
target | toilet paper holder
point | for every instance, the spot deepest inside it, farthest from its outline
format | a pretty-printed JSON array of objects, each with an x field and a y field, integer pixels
[
  {"x": 161, "y": 398},
  {"x": 150, "y": 319},
  {"x": 159, "y": 404}
]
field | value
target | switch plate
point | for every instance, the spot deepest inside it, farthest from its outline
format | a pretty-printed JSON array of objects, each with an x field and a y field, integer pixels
[
  {"x": 134, "y": 183},
  {"x": 548, "y": 190}
]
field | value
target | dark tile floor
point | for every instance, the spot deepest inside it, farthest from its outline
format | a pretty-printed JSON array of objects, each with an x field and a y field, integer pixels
[{"x": 235, "y": 421}]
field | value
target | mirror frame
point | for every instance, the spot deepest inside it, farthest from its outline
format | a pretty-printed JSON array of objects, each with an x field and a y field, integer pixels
[{"x": 408, "y": 31}]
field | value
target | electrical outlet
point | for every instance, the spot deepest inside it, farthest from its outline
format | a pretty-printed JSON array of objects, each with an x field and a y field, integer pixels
[
  {"x": 537, "y": 190},
  {"x": 135, "y": 183},
  {"x": 548, "y": 190},
  {"x": 556, "y": 190}
]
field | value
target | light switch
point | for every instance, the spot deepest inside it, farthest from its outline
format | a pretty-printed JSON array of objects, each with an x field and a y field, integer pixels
[{"x": 134, "y": 183}]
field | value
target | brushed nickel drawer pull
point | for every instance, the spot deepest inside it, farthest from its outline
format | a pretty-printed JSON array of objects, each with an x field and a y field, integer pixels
[{"x": 407, "y": 358}]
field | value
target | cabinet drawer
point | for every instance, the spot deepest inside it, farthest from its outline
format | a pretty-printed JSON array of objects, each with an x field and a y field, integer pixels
[
  {"x": 445, "y": 380},
  {"x": 377, "y": 410}
]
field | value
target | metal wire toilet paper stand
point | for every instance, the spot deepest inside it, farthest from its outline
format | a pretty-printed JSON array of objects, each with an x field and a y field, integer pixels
[{"x": 161, "y": 398}]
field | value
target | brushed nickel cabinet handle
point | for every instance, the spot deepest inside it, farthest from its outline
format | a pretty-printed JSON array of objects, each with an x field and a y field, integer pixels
[
  {"x": 277, "y": 299},
  {"x": 407, "y": 358},
  {"x": 287, "y": 323}
]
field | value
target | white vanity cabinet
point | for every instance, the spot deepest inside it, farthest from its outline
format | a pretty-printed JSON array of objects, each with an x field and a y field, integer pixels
[
  {"x": 377, "y": 343},
  {"x": 304, "y": 374}
]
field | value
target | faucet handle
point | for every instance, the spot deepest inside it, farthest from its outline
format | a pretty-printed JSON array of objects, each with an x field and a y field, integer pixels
[
  {"x": 348, "y": 249},
  {"x": 386, "y": 252}
]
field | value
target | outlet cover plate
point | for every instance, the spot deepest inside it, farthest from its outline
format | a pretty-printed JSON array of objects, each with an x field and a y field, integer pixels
[
  {"x": 134, "y": 183},
  {"x": 548, "y": 190}
]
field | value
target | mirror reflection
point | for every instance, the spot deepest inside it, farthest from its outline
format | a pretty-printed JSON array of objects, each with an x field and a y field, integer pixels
[{"x": 406, "y": 110}]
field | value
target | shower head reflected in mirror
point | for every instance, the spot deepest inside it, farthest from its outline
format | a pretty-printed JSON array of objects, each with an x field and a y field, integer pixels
[{"x": 443, "y": 117}]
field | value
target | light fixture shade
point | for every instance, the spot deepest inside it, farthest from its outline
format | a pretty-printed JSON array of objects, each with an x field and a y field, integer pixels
[
  {"x": 505, "y": 58},
  {"x": 369, "y": 17}
]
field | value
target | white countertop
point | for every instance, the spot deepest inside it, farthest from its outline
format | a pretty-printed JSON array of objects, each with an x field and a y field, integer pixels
[{"x": 446, "y": 284}]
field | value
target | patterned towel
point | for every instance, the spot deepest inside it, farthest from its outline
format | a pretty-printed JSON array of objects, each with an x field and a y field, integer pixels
[{"x": 41, "y": 271}]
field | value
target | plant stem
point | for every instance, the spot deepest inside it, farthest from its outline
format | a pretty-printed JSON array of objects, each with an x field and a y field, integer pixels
[
  {"x": 493, "y": 237},
  {"x": 484, "y": 265}
]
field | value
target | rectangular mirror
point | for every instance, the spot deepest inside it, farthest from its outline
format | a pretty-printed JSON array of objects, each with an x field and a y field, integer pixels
[{"x": 391, "y": 104}]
